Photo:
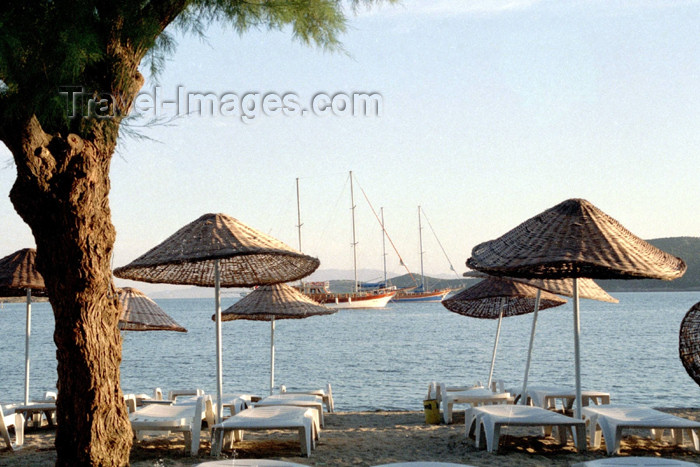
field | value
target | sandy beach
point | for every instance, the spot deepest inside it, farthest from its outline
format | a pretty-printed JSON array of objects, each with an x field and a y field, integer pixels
[{"x": 370, "y": 438}]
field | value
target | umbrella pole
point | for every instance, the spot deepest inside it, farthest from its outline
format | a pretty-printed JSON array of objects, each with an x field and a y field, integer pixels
[
  {"x": 218, "y": 440},
  {"x": 577, "y": 351},
  {"x": 219, "y": 361},
  {"x": 272, "y": 354},
  {"x": 26, "y": 346},
  {"x": 523, "y": 393},
  {"x": 495, "y": 347}
]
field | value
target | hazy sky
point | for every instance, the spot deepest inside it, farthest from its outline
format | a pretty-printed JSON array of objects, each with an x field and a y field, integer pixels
[{"x": 491, "y": 112}]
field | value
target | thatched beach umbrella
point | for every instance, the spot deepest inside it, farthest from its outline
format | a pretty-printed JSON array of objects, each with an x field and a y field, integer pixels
[
  {"x": 587, "y": 288},
  {"x": 140, "y": 313},
  {"x": 217, "y": 250},
  {"x": 494, "y": 298},
  {"x": 574, "y": 239},
  {"x": 689, "y": 342},
  {"x": 270, "y": 303},
  {"x": 18, "y": 277}
]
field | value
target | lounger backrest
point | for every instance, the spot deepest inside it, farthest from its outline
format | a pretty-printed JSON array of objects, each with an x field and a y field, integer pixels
[
  {"x": 498, "y": 386},
  {"x": 434, "y": 391},
  {"x": 203, "y": 406},
  {"x": 329, "y": 394},
  {"x": 175, "y": 393},
  {"x": 441, "y": 391},
  {"x": 130, "y": 401},
  {"x": 209, "y": 415}
]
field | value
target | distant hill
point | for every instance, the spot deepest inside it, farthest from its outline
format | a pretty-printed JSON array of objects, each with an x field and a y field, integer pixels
[
  {"x": 686, "y": 248},
  {"x": 431, "y": 282}
]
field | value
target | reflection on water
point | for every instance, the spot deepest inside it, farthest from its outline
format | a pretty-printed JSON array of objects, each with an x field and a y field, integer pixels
[{"x": 384, "y": 359}]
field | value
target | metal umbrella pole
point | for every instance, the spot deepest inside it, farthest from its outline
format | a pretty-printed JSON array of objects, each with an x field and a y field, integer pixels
[
  {"x": 495, "y": 346},
  {"x": 26, "y": 346},
  {"x": 523, "y": 393}
]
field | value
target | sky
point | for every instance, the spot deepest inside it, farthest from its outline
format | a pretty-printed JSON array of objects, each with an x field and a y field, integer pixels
[{"x": 491, "y": 111}]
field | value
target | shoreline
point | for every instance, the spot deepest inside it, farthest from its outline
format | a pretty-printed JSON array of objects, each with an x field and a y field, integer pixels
[{"x": 371, "y": 438}]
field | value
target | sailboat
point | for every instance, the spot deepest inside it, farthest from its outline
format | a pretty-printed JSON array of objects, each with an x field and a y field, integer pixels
[
  {"x": 420, "y": 293},
  {"x": 320, "y": 291}
]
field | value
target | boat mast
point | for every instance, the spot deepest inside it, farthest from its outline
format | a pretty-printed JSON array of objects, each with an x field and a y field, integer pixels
[
  {"x": 298, "y": 215},
  {"x": 420, "y": 243},
  {"x": 383, "y": 244},
  {"x": 354, "y": 241},
  {"x": 299, "y": 224}
]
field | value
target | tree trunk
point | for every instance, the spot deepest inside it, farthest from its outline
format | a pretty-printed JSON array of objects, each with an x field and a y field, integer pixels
[{"x": 61, "y": 192}]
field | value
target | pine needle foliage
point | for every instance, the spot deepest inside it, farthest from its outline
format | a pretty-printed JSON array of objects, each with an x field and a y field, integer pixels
[{"x": 48, "y": 46}]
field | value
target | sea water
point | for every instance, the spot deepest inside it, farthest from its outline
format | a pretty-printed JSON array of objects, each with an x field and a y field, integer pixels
[{"x": 385, "y": 358}]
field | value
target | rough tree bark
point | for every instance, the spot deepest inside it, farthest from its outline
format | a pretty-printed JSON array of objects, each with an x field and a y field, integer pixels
[{"x": 61, "y": 192}]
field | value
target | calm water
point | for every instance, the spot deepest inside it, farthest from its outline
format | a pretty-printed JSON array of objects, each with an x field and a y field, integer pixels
[{"x": 384, "y": 359}]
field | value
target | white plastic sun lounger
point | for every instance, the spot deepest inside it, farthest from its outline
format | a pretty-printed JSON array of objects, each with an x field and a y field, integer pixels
[
  {"x": 184, "y": 418},
  {"x": 34, "y": 411},
  {"x": 15, "y": 420},
  {"x": 325, "y": 394},
  {"x": 142, "y": 398},
  {"x": 237, "y": 402},
  {"x": 494, "y": 417},
  {"x": 298, "y": 400},
  {"x": 612, "y": 419},
  {"x": 279, "y": 417},
  {"x": 635, "y": 461},
  {"x": 422, "y": 464},
  {"x": 249, "y": 463},
  {"x": 233, "y": 402},
  {"x": 175, "y": 393},
  {"x": 474, "y": 397},
  {"x": 547, "y": 397}
]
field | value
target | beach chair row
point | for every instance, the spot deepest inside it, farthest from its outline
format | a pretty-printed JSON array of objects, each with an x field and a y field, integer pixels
[
  {"x": 492, "y": 409},
  {"x": 188, "y": 411}
]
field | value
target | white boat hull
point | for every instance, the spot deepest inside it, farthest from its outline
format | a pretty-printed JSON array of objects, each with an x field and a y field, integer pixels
[
  {"x": 352, "y": 301},
  {"x": 434, "y": 296},
  {"x": 379, "y": 301}
]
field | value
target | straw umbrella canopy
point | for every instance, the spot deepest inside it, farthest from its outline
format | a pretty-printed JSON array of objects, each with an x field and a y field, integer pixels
[
  {"x": 689, "y": 342},
  {"x": 217, "y": 250},
  {"x": 587, "y": 288},
  {"x": 270, "y": 303},
  {"x": 495, "y": 298},
  {"x": 18, "y": 277},
  {"x": 574, "y": 239},
  {"x": 140, "y": 313}
]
